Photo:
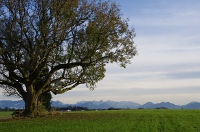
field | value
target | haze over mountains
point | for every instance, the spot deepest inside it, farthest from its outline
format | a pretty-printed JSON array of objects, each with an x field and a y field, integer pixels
[{"x": 106, "y": 105}]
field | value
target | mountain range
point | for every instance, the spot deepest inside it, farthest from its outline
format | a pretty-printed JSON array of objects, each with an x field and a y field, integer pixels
[{"x": 106, "y": 105}]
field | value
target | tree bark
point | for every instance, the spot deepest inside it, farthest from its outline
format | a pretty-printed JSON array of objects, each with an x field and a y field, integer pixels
[{"x": 31, "y": 104}]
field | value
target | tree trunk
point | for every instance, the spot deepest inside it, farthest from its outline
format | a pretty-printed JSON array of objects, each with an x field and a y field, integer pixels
[{"x": 31, "y": 104}]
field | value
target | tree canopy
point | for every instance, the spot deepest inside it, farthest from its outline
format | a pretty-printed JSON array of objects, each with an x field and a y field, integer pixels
[{"x": 56, "y": 45}]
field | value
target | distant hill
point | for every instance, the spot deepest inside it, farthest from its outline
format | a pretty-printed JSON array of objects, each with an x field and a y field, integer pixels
[
  {"x": 108, "y": 104},
  {"x": 105, "y": 105},
  {"x": 58, "y": 104},
  {"x": 19, "y": 104},
  {"x": 192, "y": 105},
  {"x": 150, "y": 105}
]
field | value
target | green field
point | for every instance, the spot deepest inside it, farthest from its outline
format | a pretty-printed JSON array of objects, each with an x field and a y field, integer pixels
[
  {"x": 5, "y": 114},
  {"x": 109, "y": 121}
]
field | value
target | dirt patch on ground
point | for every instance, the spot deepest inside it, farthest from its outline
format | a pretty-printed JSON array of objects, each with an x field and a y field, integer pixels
[{"x": 5, "y": 118}]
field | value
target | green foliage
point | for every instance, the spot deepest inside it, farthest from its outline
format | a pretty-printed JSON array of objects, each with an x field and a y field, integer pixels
[
  {"x": 107, "y": 121},
  {"x": 45, "y": 99}
]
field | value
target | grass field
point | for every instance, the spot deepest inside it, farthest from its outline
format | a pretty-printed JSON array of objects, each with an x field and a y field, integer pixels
[
  {"x": 109, "y": 121},
  {"x": 5, "y": 114}
]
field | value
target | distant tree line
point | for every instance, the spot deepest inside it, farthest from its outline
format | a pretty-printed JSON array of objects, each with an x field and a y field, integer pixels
[
  {"x": 71, "y": 108},
  {"x": 7, "y": 109}
]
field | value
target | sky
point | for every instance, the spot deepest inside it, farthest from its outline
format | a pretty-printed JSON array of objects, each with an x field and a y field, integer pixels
[{"x": 167, "y": 67}]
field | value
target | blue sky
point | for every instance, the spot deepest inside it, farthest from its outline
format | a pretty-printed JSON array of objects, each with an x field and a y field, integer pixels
[{"x": 167, "y": 67}]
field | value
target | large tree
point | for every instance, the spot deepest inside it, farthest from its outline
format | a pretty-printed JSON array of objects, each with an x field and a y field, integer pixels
[{"x": 56, "y": 45}]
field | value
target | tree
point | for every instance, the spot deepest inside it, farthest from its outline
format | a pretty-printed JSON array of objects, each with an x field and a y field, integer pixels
[{"x": 55, "y": 45}]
